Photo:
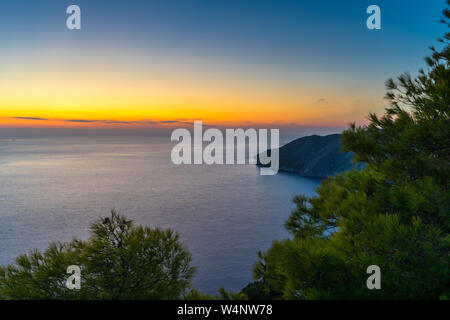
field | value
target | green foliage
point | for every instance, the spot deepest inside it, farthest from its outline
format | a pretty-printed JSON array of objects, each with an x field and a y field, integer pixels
[
  {"x": 195, "y": 294},
  {"x": 394, "y": 213},
  {"x": 225, "y": 295},
  {"x": 119, "y": 261}
]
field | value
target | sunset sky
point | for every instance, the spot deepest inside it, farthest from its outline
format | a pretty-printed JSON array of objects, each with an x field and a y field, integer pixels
[{"x": 234, "y": 62}]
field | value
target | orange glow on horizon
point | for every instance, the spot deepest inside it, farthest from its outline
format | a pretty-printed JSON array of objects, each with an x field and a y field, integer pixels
[{"x": 88, "y": 93}]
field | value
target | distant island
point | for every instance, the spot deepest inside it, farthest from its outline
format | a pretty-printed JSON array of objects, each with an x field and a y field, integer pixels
[{"x": 315, "y": 157}]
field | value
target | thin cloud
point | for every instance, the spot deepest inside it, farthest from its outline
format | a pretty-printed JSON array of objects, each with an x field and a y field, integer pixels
[
  {"x": 107, "y": 121},
  {"x": 80, "y": 121},
  {"x": 30, "y": 118}
]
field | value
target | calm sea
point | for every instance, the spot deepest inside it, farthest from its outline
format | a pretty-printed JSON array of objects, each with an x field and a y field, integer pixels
[{"x": 51, "y": 189}]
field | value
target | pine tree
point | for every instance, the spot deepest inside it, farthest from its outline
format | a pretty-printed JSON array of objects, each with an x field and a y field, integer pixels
[
  {"x": 394, "y": 213},
  {"x": 119, "y": 261}
]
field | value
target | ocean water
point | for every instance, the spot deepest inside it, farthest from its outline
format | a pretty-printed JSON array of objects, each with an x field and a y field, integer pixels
[{"x": 51, "y": 189}]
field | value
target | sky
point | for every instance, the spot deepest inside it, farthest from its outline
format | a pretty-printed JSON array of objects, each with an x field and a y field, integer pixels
[{"x": 146, "y": 64}]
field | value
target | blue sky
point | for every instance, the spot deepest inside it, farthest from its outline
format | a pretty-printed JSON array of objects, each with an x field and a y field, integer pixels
[
  {"x": 322, "y": 42},
  {"x": 268, "y": 31}
]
